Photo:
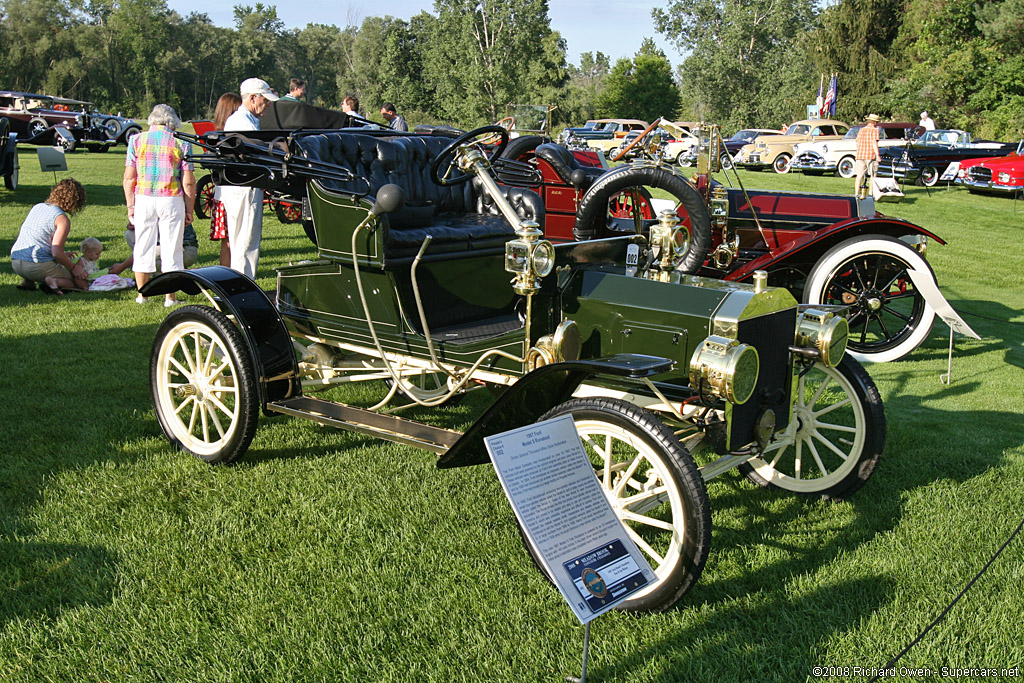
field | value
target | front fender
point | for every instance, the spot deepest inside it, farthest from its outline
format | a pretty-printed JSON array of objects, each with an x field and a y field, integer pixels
[
  {"x": 235, "y": 295},
  {"x": 811, "y": 246},
  {"x": 536, "y": 393}
]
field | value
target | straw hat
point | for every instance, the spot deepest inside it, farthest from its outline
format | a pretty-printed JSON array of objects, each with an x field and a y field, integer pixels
[{"x": 873, "y": 117}]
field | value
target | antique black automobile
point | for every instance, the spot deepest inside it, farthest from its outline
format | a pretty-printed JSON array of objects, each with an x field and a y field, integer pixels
[{"x": 410, "y": 289}]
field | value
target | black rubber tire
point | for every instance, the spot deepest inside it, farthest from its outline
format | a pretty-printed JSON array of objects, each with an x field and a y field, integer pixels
[
  {"x": 224, "y": 382},
  {"x": 864, "y": 413},
  {"x": 886, "y": 323},
  {"x": 204, "y": 197},
  {"x": 11, "y": 180},
  {"x": 684, "y": 558},
  {"x": 522, "y": 147},
  {"x": 128, "y": 133},
  {"x": 68, "y": 146},
  {"x": 592, "y": 215}
]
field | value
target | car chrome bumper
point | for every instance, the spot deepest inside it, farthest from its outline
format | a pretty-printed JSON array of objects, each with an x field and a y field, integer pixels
[
  {"x": 812, "y": 163},
  {"x": 990, "y": 186}
]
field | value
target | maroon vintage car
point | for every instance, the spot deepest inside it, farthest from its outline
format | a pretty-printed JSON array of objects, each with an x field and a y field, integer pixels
[
  {"x": 46, "y": 120},
  {"x": 827, "y": 249}
]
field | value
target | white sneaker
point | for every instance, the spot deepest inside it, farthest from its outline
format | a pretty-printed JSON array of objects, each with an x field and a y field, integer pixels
[
  {"x": 141, "y": 299},
  {"x": 168, "y": 303}
]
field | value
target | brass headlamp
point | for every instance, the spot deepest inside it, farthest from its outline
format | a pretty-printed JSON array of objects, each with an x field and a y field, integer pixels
[
  {"x": 669, "y": 240},
  {"x": 725, "y": 368},
  {"x": 825, "y": 332},
  {"x": 529, "y": 258}
]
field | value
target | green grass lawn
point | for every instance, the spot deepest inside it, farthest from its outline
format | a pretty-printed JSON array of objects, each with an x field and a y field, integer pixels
[{"x": 326, "y": 555}]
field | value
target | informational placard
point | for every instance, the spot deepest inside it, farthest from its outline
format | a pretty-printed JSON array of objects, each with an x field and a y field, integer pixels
[
  {"x": 951, "y": 172},
  {"x": 51, "y": 159},
  {"x": 566, "y": 517}
]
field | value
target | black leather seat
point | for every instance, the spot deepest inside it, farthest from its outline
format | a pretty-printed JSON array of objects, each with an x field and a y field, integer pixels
[
  {"x": 566, "y": 166},
  {"x": 458, "y": 217}
]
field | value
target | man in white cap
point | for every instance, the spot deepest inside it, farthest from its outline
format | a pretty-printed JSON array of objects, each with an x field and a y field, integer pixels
[
  {"x": 926, "y": 122},
  {"x": 244, "y": 205}
]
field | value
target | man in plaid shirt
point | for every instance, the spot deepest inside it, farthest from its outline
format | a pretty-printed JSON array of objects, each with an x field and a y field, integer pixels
[
  {"x": 159, "y": 189},
  {"x": 867, "y": 157}
]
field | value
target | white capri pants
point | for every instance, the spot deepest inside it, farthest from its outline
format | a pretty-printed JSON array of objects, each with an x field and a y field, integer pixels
[
  {"x": 243, "y": 207},
  {"x": 162, "y": 217}
]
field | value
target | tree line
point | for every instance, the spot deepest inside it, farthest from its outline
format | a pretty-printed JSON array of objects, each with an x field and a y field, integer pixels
[{"x": 755, "y": 63}]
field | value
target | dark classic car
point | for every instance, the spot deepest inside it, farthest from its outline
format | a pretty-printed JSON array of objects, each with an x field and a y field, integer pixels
[
  {"x": 409, "y": 289},
  {"x": 995, "y": 175},
  {"x": 926, "y": 159},
  {"x": 46, "y": 120},
  {"x": 608, "y": 131},
  {"x": 826, "y": 249}
]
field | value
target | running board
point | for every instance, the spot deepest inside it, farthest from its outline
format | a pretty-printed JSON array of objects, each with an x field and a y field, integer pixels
[{"x": 354, "y": 419}]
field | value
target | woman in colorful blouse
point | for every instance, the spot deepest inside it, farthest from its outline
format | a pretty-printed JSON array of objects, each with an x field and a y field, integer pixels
[{"x": 160, "y": 190}]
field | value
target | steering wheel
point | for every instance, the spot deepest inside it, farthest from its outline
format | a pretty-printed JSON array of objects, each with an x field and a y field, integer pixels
[
  {"x": 464, "y": 140},
  {"x": 637, "y": 140}
]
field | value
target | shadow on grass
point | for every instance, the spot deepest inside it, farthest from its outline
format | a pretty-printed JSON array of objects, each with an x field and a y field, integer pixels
[
  {"x": 775, "y": 640},
  {"x": 71, "y": 401}
]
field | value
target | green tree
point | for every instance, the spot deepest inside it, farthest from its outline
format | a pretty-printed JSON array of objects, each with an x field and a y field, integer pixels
[
  {"x": 747, "y": 64},
  {"x": 641, "y": 87},
  {"x": 586, "y": 83},
  {"x": 483, "y": 54}
]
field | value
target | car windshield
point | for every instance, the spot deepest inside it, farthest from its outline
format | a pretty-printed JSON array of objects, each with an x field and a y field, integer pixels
[
  {"x": 800, "y": 129},
  {"x": 610, "y": 126},
  {"x": 852, "y": 133}
]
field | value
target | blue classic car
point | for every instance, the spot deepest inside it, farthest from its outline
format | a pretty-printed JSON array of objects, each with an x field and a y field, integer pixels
[{"x": 926, "y": 159}]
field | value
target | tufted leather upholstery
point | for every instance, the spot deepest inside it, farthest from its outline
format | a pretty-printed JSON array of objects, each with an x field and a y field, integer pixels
[{"x": 458, "y": 217}]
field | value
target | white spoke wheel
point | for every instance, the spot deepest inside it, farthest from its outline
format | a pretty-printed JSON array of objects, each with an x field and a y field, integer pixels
[
  {"x": 834, "y": 439},
  {"x": 888, "y": 316},
  {"x": 654, "y": 487},
  {"x": 203, "y": 384}
]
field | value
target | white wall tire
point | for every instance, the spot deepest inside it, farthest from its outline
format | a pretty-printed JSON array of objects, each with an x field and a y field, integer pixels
[
  {"x": 889, "y": 317},
  {"x": 846, "y": 167}
]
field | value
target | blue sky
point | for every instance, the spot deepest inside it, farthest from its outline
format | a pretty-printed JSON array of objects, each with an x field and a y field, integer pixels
[{"x": 615, "y": 27}]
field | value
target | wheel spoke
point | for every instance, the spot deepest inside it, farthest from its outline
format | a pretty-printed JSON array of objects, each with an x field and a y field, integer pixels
[
  {"x": 817, "y": 458},
  {"x": 180, "y": 367},
  {"x": 230, "y": 414},
  {"x": 187, "y": 401},
  {"x": 646, "y": 500},
  {"x": 798, "y": 457},
  {"x": 832, "y": 447},
  {"x": 817, "y": 394},
  {"x": 625, "y": 477},
  {"x": 647, "y": 521},
  {"x": 836, "y": 428},
  {"x": 644, "y": 546},
  {"x": 828, "y": 409}
]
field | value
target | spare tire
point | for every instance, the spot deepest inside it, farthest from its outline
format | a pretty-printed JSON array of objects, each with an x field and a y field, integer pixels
[
  {"x": 592, "y": 215},
  {"x": 522, "y": 147}
]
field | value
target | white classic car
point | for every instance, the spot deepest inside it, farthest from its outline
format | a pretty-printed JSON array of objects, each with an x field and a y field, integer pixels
[{"x": 837, "y": 156}]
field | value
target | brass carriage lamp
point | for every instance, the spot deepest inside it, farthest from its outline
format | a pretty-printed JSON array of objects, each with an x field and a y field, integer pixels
[
  {"x": 529, "y": 258},
  {"x": 669, "y": 241}
]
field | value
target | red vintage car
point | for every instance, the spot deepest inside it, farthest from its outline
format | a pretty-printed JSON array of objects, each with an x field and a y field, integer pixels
[
  {"x": 826, "y": 249},
  {"x": 997, "y": 175}
]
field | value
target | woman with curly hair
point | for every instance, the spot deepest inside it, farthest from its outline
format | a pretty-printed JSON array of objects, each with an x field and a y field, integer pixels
[{"x": 38, "y": 254}]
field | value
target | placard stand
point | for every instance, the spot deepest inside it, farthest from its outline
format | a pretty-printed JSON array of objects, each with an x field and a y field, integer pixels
[
  {"x": 52, "y": 159},
  {"x": 586, "y": 654},
  {"x": 567, "y": 521},
  {"x": 925, "y": 284}
]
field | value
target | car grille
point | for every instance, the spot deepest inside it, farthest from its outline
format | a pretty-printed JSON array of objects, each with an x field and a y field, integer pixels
[
  {"x": 980, "y": 174},
  {"x": 771, "y": 335}
]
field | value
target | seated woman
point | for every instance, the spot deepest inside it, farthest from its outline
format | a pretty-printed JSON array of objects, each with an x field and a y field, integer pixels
[{"x": 38, "y": 254}]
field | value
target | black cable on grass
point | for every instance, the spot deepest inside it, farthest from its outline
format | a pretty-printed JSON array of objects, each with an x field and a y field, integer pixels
[
  {"x": 998, "y": 320},
  {"x": 950, "y": 606}
]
